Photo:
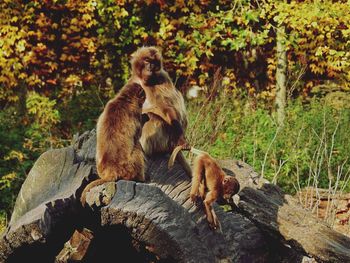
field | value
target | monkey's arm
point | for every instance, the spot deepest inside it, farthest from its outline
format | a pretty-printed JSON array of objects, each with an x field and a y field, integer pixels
[
  {"x": 169, "y": 115},
  {"x": 208, "y": 204},
  {"x": 166, "y": 113}
]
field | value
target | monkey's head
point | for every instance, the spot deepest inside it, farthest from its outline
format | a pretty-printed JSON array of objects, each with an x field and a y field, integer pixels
[
  {"x": 146, "y": 63},
  {"x": 230, "y": 187}
]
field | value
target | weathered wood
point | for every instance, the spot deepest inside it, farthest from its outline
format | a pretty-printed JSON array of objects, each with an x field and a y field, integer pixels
[
  {"x": 46, "y": 207},
  {"x": 330, "y": 206},
  {"x": 155, "y": 220},
  {"x": 235, "y": 228},
  {"x": 77, "y": 246},
  {"x": 280, "y": 216},
  {"x": 161, "y": 215}
]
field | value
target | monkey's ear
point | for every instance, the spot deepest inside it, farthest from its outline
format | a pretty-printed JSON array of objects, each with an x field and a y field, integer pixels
[{"x": 133, "y": 54}]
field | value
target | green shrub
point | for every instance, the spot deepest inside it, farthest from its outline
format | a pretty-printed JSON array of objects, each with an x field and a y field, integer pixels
[
  {"x": 309, "y": 149},
  {"x": 13, "y": 161}
]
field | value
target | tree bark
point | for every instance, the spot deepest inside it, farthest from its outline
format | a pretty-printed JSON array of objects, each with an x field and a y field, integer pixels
[
  {"x": 155, "y": 221},
  {"x": 281, "y": 72}
]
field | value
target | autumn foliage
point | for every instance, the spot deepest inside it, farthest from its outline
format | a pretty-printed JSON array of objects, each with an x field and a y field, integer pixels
[
  {"x": 63, "y": 45},
  {"x": 61, "y": 60}
]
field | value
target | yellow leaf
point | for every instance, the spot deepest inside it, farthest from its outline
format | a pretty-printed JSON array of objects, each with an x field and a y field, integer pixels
[
  {"x": 123, "y": 13},
  {"x": 14, "y": 155},
  {"x": 86, "y": 17},
  {"x": 74, "y": 21},
  {"x": 22, "y": 75},
  {"x": 21, "y": 45},
  {"x": 14, "y": 19}
]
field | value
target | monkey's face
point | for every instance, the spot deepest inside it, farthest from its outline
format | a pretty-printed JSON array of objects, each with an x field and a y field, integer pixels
[
  {"x": 230, "y": 187},
  {"x": 151, "y": 66},
  {"x": 146, "y": 63}
]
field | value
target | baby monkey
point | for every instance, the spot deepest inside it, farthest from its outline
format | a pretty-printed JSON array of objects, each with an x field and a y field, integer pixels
[{"x": 209, "y": 183}]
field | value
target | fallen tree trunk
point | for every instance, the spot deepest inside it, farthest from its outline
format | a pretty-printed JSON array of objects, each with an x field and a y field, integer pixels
[
  {"x": 281, "y": 216},
  {"x": 153, "y": 221}
]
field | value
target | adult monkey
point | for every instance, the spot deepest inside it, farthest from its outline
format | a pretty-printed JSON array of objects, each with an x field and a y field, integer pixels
[
  {"x": 118, "y": 151},
  {"x": 164, "y": 106}
]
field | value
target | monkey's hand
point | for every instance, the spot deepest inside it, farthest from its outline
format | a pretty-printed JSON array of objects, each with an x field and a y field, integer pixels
[
  {"x": 185, "y": 145},
  {"x": 215, "y": 223},
  {"x": 196, "y": 199},
  {"x": 193, "y": 197}
]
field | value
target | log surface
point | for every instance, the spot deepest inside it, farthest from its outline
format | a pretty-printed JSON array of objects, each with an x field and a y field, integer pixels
[{"x": 155, "y": 221}]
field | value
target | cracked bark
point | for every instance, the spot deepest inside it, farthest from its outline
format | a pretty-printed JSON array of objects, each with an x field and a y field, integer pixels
[{"x": 154, "y": 221}]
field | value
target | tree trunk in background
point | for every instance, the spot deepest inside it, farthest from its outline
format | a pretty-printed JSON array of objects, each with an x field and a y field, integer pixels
[{"x": 281, "y": 91}]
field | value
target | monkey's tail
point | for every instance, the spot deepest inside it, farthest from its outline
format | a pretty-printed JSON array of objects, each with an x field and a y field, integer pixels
[
  {"x": 88, "y": 188},
  {"x": 174, "y": 154},
  {"x": 184, "y": 147}
]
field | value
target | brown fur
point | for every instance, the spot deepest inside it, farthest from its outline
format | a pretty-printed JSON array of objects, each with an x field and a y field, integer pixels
[
  {"x": 209, "y": 182},
  {"x": 164, "y": 105},
  {"x": 119, "y": 153}
]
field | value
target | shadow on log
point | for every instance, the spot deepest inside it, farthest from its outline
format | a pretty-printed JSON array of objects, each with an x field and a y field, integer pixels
[{"x": 155, "y": 221}]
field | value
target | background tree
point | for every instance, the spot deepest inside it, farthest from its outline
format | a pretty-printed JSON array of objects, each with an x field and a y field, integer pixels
[{"x": 281, "y": 72}]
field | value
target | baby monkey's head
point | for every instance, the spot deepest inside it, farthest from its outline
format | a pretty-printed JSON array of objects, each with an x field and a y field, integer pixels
[{"x": 230, "y": 186}]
